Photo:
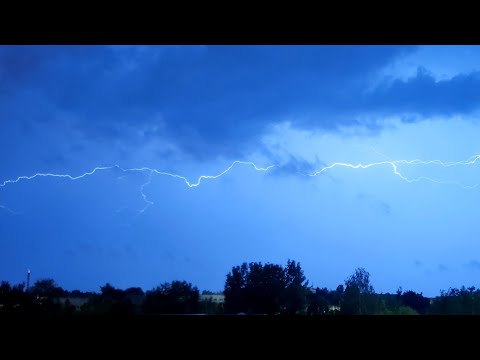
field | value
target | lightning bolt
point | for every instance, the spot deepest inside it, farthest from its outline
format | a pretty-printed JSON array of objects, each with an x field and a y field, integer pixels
[
  {"x": 148, "y": 202},
  {"x": 151, "y": 171},
  {"x": 394, "y": 164}
]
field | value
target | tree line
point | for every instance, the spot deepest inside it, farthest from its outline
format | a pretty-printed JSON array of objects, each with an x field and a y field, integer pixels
[{"x": 253, "y": 288}]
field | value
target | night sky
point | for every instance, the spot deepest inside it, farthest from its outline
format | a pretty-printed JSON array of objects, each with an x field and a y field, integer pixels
[{"x": 193, "y": 111}]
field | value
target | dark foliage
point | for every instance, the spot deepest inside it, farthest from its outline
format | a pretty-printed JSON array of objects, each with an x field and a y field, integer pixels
[
  {"x": 253, "y": 288},
  {"x": 177, "y": 297},
  {"x": 266, "y": 289}
]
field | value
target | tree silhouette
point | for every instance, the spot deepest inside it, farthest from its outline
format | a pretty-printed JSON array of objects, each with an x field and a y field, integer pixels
[
  {"x": 13, "y": 299},
  {"x": 177, "y": 297},
  {"x": 359, "y": 297},
  {"x": 45, "y": 293},
  {"x": 235, "y": 289},
  {"x": 296, "y": 288},
  {"x": 266, "y": 289},
  {"x": 110, "y": 301},
  {"x": 253, "y": 288},
  {"x": 319, "y": 303},
  {"x": 46, "y": 289},
  {"x": 463, "y": 301},
  {"x": 417, "y": 302}
]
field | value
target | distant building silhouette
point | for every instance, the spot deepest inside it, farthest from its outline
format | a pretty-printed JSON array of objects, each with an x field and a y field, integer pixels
[{"x": 215, "y": 298}]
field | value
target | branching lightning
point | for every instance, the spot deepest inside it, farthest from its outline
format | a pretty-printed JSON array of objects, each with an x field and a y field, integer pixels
[
  {"x": 148, "y": 202},
  {"x": 150, "y": 171},
  {"x": 394, "y": 164},
  {"x": 142, "y": 169}
]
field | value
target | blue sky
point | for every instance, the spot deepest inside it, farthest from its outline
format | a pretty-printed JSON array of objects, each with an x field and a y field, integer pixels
[{"x": 194, "y": 110}]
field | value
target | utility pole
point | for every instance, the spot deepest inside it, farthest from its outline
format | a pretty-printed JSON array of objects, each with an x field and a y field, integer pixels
[{"x": 28, "y": 279}]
